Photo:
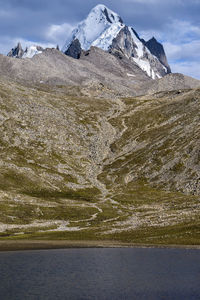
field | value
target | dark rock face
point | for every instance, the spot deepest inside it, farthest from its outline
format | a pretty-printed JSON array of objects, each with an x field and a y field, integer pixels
[
  {"x": 74, "y": 49},
  {"x": 109, "y": 19},
  {"x": 157, "y": 49},
  {"x": 39, "y": 48},
  {"x": 16, "y": 52},
  {"x": 107, "y": 16},
  {"x": 124, "y": 44}
]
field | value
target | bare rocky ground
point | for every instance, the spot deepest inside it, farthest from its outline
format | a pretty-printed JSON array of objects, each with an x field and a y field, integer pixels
[
  {"x": 95, "y": 70},
  {"x": 81, "y": 162}
]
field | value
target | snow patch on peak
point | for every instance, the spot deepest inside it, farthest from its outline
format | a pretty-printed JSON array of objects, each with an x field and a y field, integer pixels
[
  {"x": 90, "y": 31},
  {"x": 143, "y": 55},
  {"x": 106, "y": 38},
  {"x": 139, "y": 44},
  {"x": 31, "y": 51},
  {"x": 110, "y": 15}
]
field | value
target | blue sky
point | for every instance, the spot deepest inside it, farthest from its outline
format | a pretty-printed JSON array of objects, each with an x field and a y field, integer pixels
[{"x": 176, "y": 23}]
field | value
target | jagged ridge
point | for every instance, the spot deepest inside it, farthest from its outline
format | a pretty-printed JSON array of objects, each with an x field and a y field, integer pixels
[{"x": 29, "y": 52}]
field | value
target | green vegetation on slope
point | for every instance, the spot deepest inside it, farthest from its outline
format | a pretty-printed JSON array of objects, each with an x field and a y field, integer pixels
[{"x": 88, "y": 168}]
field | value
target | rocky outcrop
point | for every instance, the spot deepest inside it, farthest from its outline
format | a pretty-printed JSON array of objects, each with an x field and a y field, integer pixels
[
  {"x": 171, "y": 82},
  {"x": 74, "y": 49},
  {"x": 125, "y": 44},
  {"x": 157, "y": 49},
  {"x": 29, "y": 52},
  {"x": 16, "y": 52}
]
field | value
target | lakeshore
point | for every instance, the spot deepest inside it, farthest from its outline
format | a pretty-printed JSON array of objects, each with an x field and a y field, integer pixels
[{"x": 18, "y": 245}]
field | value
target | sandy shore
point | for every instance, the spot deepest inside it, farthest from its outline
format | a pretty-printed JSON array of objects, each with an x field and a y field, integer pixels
[{"x": 15, "y": 245}]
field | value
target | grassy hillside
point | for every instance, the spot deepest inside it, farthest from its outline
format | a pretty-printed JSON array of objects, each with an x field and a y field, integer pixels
[{"x": 75, "y": 165}]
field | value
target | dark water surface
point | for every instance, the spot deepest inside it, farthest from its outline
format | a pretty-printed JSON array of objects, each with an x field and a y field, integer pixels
[{"x": 103, "y": 274}]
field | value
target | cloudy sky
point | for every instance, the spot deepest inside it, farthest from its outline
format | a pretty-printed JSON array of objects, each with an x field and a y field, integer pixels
[{"x": 175, "y": 23}]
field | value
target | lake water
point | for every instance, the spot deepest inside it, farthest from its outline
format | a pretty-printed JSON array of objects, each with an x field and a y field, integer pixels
[{"x": 103, "y": 274}]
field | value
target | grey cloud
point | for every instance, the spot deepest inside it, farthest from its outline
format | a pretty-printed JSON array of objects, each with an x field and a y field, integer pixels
[{"x": 31, "y": 17}]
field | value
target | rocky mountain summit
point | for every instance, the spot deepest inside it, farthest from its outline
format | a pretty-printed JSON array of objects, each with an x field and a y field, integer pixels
[
  {"x": 105, "y": 29},
  {"x": 157, "y": 49}
]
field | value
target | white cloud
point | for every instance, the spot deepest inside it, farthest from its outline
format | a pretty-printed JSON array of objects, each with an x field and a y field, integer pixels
[
  {"x": 148, "y": 34},
  {"x": 188, "y": 51},
  {"x": 182, "y": 31},
  {"x": 58, "y": 34},
  {"x": 26, "y": 43},
  {"x": 175, "y": 31},
  {"x": 188, "y": 68},
  {"x": 54, "y": 35},
  {"x": 184, "y": 58}
]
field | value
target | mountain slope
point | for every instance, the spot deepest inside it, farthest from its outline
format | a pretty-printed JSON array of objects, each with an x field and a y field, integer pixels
[
  {"x": 104, "y": 29},
  {"x": 171, "y": 82},
  {"x": 96, "y": 70},
  {"x": 81, "y": 167}
]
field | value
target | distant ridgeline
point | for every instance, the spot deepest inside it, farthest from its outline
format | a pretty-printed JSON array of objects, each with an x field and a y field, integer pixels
[{"x": 105, "y": 29}]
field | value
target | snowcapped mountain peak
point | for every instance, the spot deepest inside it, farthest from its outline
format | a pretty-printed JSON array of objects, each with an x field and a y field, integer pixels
[
  {"x": 101, "y": 12},
  {"x": 101, "y": 24},
  {"x": 105, "y": 29}
]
